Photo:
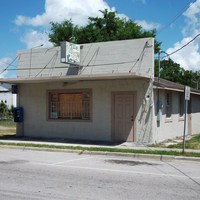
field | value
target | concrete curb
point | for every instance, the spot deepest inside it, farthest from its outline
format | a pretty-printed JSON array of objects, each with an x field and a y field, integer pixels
[{"x": 130, "y": 155}]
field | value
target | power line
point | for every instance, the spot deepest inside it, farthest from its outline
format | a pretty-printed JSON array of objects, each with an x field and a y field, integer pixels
[
  {"x": 169, "y": 54},
  {"x": 176, "y": 17}
]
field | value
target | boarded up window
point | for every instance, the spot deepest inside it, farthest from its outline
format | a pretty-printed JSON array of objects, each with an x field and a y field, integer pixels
[{"x": 70, "y": 105}]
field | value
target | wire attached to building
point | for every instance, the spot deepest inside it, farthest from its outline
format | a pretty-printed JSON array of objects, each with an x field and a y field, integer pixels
[
  {"x": 53, "y": 57},
  {"x": 10, "y": 64},
  {"x": 169, "y": 54},
  {"x": 140, "y": 56}
]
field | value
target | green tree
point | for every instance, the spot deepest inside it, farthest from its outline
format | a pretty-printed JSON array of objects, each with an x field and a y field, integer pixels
[
  {"x": 172, "y": 71},
  {"x": 3, "y": 110},
  {"x": 107, "y": 28},
  {"x": 189, "y": 78},
  {"x": 62, "y": 32},
  {"x": 110, "y": 27},
  {"x": 196, "y": 79}
]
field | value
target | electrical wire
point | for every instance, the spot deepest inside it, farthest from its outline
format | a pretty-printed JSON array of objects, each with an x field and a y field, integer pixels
[
  {"x": 53, "y": 57},
  {"x": 6, "y": 63},
  {"x": 140, "y": 56},
  {"x": 134, "y": 62},
  {"x": 176, "y": 17},
  {"x": 169, "y": 54},
  {"x": 10, "y": 64},
  {"x": 103, "y": 64}
]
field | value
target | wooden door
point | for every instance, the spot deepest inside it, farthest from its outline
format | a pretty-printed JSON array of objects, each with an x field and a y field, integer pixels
[{"x": 123, "y": 117}]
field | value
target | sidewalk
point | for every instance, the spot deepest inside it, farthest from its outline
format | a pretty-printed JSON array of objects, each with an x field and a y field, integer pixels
[{"x": 75, "y": 143}]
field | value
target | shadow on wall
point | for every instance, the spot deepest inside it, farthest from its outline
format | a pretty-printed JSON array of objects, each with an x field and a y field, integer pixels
[
  {"x": 73, "y": 70},
  {"x": 146, "y": 125}
]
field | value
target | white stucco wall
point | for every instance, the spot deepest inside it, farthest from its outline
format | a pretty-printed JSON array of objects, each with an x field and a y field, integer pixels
[
  {"x": 121, "y": 56},
  {"x": 8, "y": 98},
  {"x": 33, "y": 98},
  {"x": 169, "y": 129},
  {"x": 195, "y": 114}
]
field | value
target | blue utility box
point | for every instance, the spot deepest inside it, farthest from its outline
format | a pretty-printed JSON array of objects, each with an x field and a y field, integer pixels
[{"x": 18, "y": 114}]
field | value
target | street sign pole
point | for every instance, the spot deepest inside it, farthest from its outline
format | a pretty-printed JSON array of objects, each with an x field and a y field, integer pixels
[{"x": 187, "y": 98}]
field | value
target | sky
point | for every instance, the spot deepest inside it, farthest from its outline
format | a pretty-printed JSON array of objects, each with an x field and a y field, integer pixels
[{"x": 24, "y": 24}]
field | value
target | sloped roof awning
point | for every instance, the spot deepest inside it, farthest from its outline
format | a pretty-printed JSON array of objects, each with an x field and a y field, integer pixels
[
  {"x": 73, "y": 78},
  {"x": 169, "y": 85}
]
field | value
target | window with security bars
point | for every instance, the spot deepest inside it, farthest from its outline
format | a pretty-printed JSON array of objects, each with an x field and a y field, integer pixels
[
  {"x": 70, "y": 105},
  {"x": 168, "y": 104},
  {"x": 181, "y": 105}
]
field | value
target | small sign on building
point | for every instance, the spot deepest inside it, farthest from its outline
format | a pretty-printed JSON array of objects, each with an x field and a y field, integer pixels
[
  {"x": 187, "y": 93},
  {"x": 70, "y": 53}
]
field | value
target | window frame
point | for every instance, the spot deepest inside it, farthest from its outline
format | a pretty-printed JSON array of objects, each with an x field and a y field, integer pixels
[
  {"x": 181, "y": 106},
  {"x": 168, "y": 106},
  {"x": 68, "y": 91}
]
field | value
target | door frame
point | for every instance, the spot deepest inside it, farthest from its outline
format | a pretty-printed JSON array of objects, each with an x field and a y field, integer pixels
[
  {"x": 189, "y": 116},
  {"x": 113, "y": 94}
]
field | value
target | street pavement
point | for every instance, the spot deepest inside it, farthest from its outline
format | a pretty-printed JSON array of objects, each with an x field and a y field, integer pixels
[{"x": 41, "y": 175}]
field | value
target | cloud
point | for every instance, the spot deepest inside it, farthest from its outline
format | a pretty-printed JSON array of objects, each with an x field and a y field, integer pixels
[
  {"x": 192, "y": 15},
  {"x": 58, "y": 10},
  {"x": 189, "y": 56},
  {"x": 4, "y": 63},
  {"x": 33, "y": 38},
  {"x": 147, "y": 26}
]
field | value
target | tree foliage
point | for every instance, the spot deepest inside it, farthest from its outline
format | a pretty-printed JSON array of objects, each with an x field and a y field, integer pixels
[
  {"x": 110, "y": 27},
  {"x": 172, "y": 71},
  {"x": 107, "y": 28},
  {"x": 3, "y": 110}
]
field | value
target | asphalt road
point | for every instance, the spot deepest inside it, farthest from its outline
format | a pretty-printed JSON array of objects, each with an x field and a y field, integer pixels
[{"x": 30, "y": 175}]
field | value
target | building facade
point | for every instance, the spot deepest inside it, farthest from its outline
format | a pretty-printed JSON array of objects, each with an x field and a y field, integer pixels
[{"x": 110, "y": 95}]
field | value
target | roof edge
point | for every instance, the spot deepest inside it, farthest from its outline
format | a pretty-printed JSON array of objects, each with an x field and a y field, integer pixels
[{"x": 74, "y": 78}]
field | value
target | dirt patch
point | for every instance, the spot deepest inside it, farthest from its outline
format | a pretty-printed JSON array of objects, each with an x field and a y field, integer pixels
[
  {"x": 7, "y": 131},
  {"x": 7, "y": 128}
]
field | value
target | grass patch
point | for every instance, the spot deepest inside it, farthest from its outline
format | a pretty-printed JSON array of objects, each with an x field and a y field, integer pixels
[
  {"x": 8, "y": 123},
  {"x": 193, "y": 143},
  {"x": 105, "y": 149},
  {"x": 7, "y": 128},
  {"x": 7, "y": 132}
]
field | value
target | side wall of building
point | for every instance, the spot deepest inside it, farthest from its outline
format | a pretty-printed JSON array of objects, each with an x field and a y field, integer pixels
[
  {"x": 169, "y": 128},
  {"x": 195, "y": 114},
  {"x": 33, "y": 98}
]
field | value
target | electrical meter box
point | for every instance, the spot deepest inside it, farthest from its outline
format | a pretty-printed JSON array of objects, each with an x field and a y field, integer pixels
[{"x": 18, "y": 114}]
